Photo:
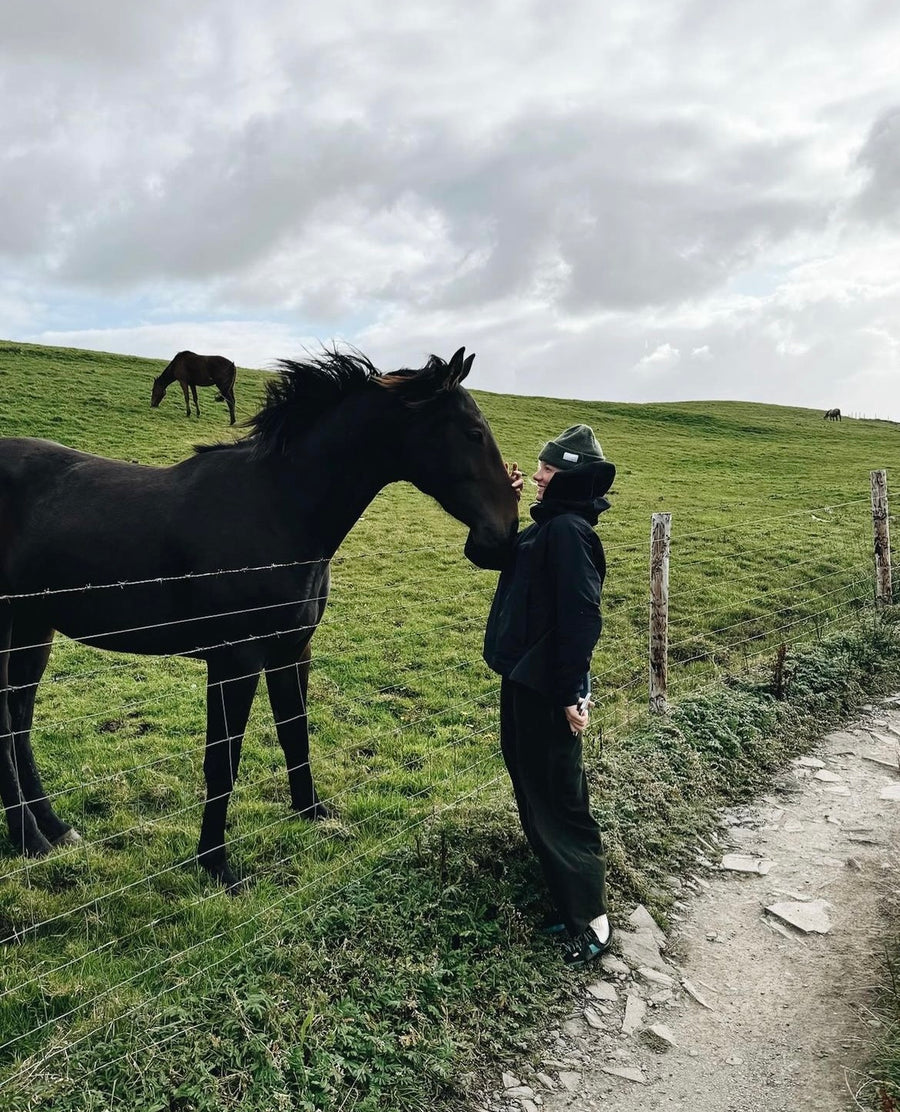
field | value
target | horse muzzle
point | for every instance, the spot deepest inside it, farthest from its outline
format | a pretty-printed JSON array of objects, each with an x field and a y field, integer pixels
[{"x": 491, "y": 552}]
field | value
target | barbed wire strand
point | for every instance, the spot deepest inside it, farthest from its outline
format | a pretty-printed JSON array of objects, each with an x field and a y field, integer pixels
[
  {"x": 390, "y": 553},
  {"x": 607, "y": 696},
  {"x": 757, "y": 617},
  {"x": 769, "y": 633},
  {"x": 742, "y": 600},
  {"x": 85, "y": 846},
  {"x": 172, "y": 958},
  {"x": 206, "y": 969},
  {"x": 216, "y": 891},
  {"x": 372, "y": 699},
  {"x": 201, "y": 803}
]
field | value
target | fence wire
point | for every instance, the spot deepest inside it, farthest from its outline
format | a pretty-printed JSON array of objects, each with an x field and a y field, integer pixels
[{"x": 465, "y": 751}]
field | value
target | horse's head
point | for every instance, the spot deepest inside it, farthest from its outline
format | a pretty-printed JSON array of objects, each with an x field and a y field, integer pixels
[
  {"x": 446, "y": 449},
  {"x": 158, "y": 392}
]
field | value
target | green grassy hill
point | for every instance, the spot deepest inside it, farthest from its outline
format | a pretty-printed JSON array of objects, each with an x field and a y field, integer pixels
[{"x": 371, "y": 957}]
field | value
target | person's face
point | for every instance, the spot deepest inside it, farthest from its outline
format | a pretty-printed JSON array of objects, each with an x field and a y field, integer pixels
[{"x": 543, "y": 475}]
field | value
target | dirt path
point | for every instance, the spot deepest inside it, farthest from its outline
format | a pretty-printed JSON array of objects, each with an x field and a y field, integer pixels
[{"x": 788, "y": 1025}]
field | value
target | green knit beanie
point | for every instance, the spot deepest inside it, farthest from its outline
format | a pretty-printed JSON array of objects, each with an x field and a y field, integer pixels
[{"x": 571, "y": 448}]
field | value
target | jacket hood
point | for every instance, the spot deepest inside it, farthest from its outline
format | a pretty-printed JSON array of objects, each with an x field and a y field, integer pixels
[{"x": 578, "y": 490}]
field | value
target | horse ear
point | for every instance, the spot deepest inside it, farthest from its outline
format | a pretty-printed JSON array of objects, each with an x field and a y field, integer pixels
[{"x": 457, "y": 369}]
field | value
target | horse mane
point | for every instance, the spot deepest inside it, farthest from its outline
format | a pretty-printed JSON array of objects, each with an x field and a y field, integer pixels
[{"x": 304, "y": 390}]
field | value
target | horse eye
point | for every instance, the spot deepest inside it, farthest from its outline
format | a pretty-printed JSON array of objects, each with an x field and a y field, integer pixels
[{"x": 475, "y": 434}]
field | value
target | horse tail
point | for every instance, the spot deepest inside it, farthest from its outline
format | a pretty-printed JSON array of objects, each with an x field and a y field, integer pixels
[{"x": 226, "y": 389}]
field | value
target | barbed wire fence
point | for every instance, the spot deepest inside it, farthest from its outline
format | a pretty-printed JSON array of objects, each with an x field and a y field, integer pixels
[{"x": 62, "y": 915}]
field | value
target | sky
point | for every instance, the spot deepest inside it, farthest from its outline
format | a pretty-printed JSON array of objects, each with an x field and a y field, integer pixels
[{"x": 634, "y": 201}]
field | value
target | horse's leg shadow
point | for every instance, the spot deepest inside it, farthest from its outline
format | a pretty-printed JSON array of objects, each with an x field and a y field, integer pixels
[
  {"x": 26, "y": 667},
  {"x": 229, "y": 696},
  {"x": 287, "y": 679}
]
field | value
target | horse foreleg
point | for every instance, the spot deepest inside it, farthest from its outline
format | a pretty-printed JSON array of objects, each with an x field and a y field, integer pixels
[
  {"x": 187, "y": 399},
  {"x": 26, "y": 667},
  {"x": 196, "y": 403},
  {"x": 23, "y": 828},
  {"x": 228, "y": 702},
  {"x": 287, "y": 684}
]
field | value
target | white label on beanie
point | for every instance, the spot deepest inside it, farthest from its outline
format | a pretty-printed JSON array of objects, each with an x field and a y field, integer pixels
[{"x": 570, "y": 457}]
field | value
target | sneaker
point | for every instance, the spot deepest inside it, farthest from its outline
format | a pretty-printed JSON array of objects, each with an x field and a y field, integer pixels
[{"x": 586, "y": 947}]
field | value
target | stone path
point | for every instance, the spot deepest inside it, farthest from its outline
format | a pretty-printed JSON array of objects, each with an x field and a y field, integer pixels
[{"x": 738, "y": 1010}]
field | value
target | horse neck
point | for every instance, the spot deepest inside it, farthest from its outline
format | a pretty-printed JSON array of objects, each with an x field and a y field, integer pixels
[
  {"x": 345, "y": 461},
  {"x": 168, "y": 375}
]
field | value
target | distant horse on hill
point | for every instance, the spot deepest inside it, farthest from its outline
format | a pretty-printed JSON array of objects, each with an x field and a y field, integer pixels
[
  {"x": 225, "y": 557},
  {"x": 832, "y": 415},
  {"x": 192, "y": 370}
]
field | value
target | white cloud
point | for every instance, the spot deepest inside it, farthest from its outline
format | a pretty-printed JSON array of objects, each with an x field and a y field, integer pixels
[
  {"x": 247, "y": 343},
  {"x": 659, "y": 362}
]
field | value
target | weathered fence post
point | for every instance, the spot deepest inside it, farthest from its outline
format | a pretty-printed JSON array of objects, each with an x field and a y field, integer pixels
[
  {"x": 660, "y": 532},
  {"x": 881, "y": 528}
]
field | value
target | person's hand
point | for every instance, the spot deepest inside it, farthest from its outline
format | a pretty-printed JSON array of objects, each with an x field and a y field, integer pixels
[
  {"x": 516, "y": 478},
  {"x": 578, "y": 716}
]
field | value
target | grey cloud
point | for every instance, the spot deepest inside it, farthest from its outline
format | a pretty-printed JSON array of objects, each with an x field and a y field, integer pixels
[
  {"x": 559, "y": 182},
  {"x": 639, "y": 213},
  {"x": 879, "y": 200},
  {"x": 91, "y": 33},
  {"x": 630, "y": 211},
  {"x": 622, "y": 210}
]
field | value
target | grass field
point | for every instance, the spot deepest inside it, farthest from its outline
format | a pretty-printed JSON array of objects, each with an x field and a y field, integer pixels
[{"x": 376, "y": 959}]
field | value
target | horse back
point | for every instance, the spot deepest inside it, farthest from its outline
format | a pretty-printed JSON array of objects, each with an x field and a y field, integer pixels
[
  {"x": 203, "y": 370},
  {"x": 163, "y": 536},
  {"x": 65, "y": 515}
]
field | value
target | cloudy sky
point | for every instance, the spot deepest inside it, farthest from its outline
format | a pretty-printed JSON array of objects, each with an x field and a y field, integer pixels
[{"x": 640, "y": 200}]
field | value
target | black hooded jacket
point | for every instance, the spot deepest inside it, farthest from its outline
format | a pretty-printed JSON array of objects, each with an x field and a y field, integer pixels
[{"x": 545, "y": 617}]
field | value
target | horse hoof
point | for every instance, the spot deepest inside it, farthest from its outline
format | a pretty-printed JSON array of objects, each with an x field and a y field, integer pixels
[
  {"x": 222, "y": 873},
  {"x": 70, "y": 838},
  {"x": 37, "y": 847},
  {"x": 230, "y": 881},
  {"x": 318, "y": 812}
]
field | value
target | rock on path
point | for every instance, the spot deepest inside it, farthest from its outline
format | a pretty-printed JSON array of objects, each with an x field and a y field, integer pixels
[{"x": 738, "y": 1011}]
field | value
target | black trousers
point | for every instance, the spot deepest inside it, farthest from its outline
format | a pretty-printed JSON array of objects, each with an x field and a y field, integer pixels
[{"x": 545, "y": 765}]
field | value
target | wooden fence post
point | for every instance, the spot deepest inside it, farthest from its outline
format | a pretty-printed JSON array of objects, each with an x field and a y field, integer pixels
[
  {"x": 881, "y": 528},
  {"x": 660, "y": 532}
]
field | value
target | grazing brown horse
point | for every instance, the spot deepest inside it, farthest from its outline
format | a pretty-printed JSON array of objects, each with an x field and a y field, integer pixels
[
  {"x": 225, "y": 557},
  {"x": 192, "y": 370}
]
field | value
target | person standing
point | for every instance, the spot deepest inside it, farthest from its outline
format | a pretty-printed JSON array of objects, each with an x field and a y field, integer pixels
[{"x": 542, "y": 628}]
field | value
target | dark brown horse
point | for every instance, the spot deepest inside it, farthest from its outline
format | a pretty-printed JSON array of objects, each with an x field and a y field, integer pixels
[
  {"x": 166, "y": 551},
  {"x": 191, "y": 370}
]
